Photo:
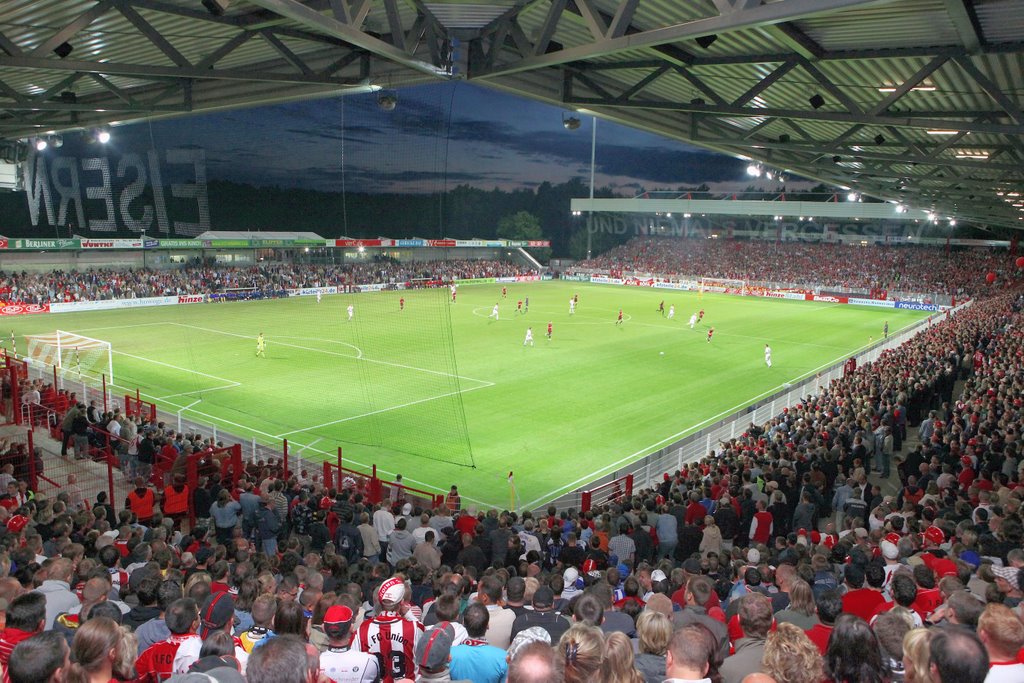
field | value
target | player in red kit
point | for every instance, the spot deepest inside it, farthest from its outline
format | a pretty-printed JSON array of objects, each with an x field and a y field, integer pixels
[
  {"x": 619, "y": 321},
  {"x": 549, "y": 330},
  {"x": 700, "y": 315},
  {"x": 519, "y": 306},
  {"x": 504, "y": 292},
  {"x": 401, "y": 304},
  {"x": 711, "y": 333}
]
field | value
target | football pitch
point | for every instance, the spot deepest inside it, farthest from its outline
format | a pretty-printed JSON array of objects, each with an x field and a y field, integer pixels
[{"x": 386, "y": 388}]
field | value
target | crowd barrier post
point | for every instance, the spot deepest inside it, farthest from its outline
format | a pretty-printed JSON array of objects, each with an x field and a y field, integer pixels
[
  {"x": 284, "y": 449},
  {"x": 328, "y": 476},
  {"x": 33, "y": 481},
  {"x": 375, "y": 488}
]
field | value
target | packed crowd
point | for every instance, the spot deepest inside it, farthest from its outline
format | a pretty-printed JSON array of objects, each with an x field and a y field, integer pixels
[
  {"x": 925, "y": 270},
  {"x": 778, "y": 557},
  {"x": 103, "y": 283}
]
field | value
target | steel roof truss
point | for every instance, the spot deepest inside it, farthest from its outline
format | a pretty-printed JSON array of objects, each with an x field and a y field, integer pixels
[
  {"x": 991, "y": 89},
  {"x": 765, "y": 83},
  {"x": 152, "y": 35},
  {"x": 68, "y": 32},
  {"x": 909, "y": 84}
]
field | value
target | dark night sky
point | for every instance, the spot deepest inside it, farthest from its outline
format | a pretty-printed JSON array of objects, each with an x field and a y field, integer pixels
[{"x": 438, "y": 136}]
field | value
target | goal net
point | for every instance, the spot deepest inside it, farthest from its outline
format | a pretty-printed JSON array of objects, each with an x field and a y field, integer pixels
[
  {"x": 723, "y": 286},
  {"x": 72, "y": 354}
]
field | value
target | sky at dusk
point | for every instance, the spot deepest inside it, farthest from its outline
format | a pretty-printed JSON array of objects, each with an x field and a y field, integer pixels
[{"x": 439, "y": 136}]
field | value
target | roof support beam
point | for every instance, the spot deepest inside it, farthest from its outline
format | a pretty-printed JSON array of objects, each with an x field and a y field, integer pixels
[
  {"x": 809, "y": 115},
  {"x": 762, "y": 15},
  {"x": 164, "y": 72},
  {"x": 319, "y": 23},
  {"x": 965, "y": 19}
]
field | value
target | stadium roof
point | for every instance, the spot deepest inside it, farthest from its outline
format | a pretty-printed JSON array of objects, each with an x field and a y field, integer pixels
[
  {"x": 257, "y": 235},
  {"x": 905, "y": 100}
]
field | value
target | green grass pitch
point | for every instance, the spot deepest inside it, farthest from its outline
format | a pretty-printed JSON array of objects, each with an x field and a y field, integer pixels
[{"x": 597, "y": 395}]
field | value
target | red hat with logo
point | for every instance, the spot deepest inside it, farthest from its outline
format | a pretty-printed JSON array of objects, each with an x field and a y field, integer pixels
[
  {"x": 16, "y": 523},
  {"x": 935, "y": 535}
]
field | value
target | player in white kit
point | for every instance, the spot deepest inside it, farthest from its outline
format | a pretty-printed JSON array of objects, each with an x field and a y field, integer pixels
[
  {"x": 671, "y": 311},
  {"x": 529, "y": 337},
  {"x": 351, "y": 312},
  {"x": 318, "y": 296},
  {"x": 693, "y": 320},
  {"x": 494, "y": 312},
  {"x": 572, "y": 306},
  {"x": 767, "y": 355}
]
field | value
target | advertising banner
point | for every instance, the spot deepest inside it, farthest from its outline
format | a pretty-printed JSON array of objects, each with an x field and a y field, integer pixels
[
  {"x": 476, "y": 281},
  {"x": 873, "y": 302},
  {"x": 47, "y": 244},
  {"x": 605, "y": 280},
  {"x": 826, "y": 299},
  {"x": 112, "y": 244},
  {"x": 917, "y": 306},
  {"x": 111, "y": 304},
  {"x": 526, "y": 278},
  {"x": 357, "y": 243},
  {"x": 24, "y": 309}
]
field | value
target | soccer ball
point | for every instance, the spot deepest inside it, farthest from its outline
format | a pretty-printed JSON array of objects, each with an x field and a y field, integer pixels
[{"x": 661, "y": 353}]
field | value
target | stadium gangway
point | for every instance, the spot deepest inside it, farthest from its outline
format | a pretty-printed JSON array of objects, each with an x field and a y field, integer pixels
[
  {"x": 610, "y": 492},
  {"x": 372, "y": 486}
]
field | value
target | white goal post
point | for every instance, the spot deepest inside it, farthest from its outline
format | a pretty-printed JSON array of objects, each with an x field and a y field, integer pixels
[
  {"x": 72, "y": 354},
  {"x": 723, "y": 285}
]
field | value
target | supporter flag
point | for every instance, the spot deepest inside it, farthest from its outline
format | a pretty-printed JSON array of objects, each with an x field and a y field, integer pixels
[{"x": 511, "y": 492}]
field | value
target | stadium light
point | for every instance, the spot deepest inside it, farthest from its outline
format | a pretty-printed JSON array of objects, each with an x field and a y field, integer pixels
[
  {"x": 41, "y": 144},
  {"x": 900, "y": 208},
  {"x": 852, "y": 197},
  {"x": 754, "y": 170},
  {"x": 387, "y": 101},
  {"x": 103, "y": 136},
  {"x": 952, "y": 222},
  {"x": 570, "y": 122}
]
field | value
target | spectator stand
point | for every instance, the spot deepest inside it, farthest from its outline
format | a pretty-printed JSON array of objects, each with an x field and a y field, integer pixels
[
  {"x": 336, "y": 475},
  {"x": 227, "y": 462}
]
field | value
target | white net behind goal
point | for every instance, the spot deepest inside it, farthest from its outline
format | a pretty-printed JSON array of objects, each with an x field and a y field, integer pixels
[
  {"x": 74, "y": 355},
  {"x": 723, "y": 285}
]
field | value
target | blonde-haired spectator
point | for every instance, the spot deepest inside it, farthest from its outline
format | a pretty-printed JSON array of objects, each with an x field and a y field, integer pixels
[
  {"x": 1002, "y": 634},
  {"x": 791, "y": 657},
  {"x": 654, "y": 633},
  {"x": 916, "y": 653}
]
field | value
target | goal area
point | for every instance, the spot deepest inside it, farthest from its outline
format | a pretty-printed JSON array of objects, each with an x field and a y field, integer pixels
[{"x": 73, "y": 355}]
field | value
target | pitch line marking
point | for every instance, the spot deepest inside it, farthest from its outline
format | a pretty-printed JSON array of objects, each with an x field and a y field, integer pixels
[
  {"x": 176, "y": 367},
  {"x": 648, "y": 449},
  {"x": 341, "y": 355},
  {"x": 381, "y": 410}
]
